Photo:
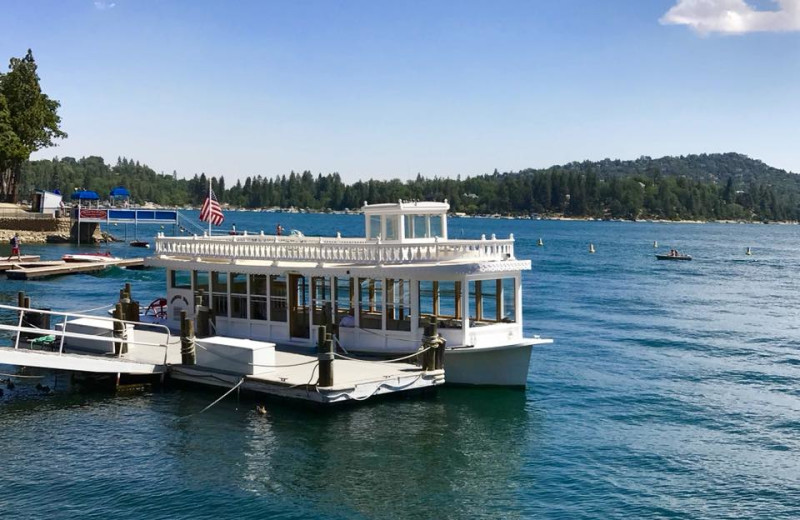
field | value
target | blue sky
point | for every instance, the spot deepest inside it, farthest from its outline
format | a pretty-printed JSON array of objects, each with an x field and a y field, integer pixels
[{"x": 380, "y": 89}]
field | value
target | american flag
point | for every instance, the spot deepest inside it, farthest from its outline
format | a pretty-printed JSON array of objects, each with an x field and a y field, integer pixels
[{"x": 211, "y": 210}]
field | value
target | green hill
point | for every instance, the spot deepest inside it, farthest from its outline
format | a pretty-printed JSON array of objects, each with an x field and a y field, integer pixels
[{"x": 705, "y": 186}]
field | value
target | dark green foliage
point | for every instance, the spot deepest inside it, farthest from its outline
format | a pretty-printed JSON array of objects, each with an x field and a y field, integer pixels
[{"x": 702, "y": 187}]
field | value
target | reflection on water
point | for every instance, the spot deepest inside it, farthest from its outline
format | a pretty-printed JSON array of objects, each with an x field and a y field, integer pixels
[{"x": 462, "y": 446}]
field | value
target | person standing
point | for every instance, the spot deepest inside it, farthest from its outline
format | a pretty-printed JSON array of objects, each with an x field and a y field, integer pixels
[{"x": 15, "y": 247}]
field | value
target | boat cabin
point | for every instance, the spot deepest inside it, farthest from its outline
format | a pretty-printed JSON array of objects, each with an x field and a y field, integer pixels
[{"x": 377, "y": 291}]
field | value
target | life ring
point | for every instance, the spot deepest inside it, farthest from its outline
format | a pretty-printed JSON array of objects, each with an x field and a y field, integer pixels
[{"x": 159, "y": 308}]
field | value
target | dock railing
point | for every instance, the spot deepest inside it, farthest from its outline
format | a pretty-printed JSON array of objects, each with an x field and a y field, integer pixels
[
  {"x": 334, "y": 250},
  {"x": 26, "y": 328}
]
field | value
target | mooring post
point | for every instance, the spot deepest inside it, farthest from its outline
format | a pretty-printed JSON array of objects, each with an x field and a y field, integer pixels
[
  {"x": 429, "y": 356},
  {"x": 325, "y": 357},
  {"x": 202, "y": 319},
  {"x": 188, "y": 353},
  {"x": 21, "y": 299},
  {"x": 119, "y": 331},
  {"x": 439, "y": 343}
]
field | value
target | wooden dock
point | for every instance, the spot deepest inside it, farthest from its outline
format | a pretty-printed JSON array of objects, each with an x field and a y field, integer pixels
[
  {"x": 60, "y": 268},
  {"x": 25, "y": 261}
]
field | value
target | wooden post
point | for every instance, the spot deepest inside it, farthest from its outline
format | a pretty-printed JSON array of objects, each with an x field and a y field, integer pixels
[
  {"x": 202, "y": 319},
  {"x": 119, "y": 330},
  {"x": 26, "y": 302},
  {"x": 188, "y": 352},
  {"x": 325, "y": 357},
  {"x": 21, "y": 299},
  {"x": 438, "y": 361},
  {"x": 429, "y": 356}
]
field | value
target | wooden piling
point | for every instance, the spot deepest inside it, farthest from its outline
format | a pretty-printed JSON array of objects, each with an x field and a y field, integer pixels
[
  {"x": 120, "y": 347},
  {"x": 188, "y": 352},
  {"x": 21, "y": 299},
  {"x": 325, "y": 358},
  {"x": 429, "y": 356},
  {"x": 203, "y": 320}
]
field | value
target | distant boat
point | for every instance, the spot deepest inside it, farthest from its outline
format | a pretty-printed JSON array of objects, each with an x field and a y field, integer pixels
[
  {"x": 140, "y": 243},
  {"x": 676, "y": 256}
]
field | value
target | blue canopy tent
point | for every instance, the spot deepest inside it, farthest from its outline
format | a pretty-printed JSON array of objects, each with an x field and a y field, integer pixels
[
  {"x": 81, "y": 195},
  {"x": 120, "y": 191}
]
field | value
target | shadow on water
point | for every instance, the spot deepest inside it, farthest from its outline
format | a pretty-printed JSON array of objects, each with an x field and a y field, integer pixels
[{"x": 462, "y": 447}]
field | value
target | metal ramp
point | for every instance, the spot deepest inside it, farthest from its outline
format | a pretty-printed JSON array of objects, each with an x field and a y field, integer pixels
[
  {"x": 84, "y": 343},
  {"x": 76, "y": 362}
]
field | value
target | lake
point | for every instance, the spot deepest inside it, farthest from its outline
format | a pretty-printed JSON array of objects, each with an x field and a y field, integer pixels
[{"x": 672, "y": 391}]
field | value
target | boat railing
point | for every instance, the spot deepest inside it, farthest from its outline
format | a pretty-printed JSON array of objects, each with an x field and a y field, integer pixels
[
  {"x": 27, "y": 327},
  {"x": 334, "y": 250}
]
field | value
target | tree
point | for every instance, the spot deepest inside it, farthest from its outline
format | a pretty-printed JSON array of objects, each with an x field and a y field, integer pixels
[{"x": 29, "y": 121}]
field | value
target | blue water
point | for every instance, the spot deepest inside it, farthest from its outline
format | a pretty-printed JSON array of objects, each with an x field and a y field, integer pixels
[{"x": 672, "y": 391}]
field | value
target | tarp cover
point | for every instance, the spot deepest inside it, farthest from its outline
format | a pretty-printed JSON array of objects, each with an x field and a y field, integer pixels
[
  {"x": 84, "y": 195},
  {"x": 120, "y": 191}
]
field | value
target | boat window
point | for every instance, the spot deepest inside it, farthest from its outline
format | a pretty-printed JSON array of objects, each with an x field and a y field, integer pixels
[
  {"x": 201, "y": 284},
  {"x": 428, "y": 294},
  {"x": 238, "y": 283},
  {"x": 322, "y": 300},
  {"x": 238, "y": 295},
  {"x": 258, "y": 297},
  {"x": 490, "y": 294},
  {"x": 420, "y": 227},
  {"x": 398, "y": 305},
  {"x": 370, "y": 303},
  {"x": 181, "y": 280},
  {"x": 277, "y": 299},
  {"x": 374, "y": 226},
  {"x": 219, "y": 282},
  {"x": 440, "y": 300},
  {"x": 408, "y": 226},
  {"x": 484, "y": 301},
  {"x": 391, "y": 227},
  {"x": 436, "y": 225},
  {"x": 344, "y": 301},
  {"x": 450, "y": 299},
  {"x": 219, "y": 293},
  {"x": 509, "y": 301}
]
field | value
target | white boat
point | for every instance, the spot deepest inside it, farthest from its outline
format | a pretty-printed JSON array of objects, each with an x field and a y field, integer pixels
[
  {"x": 90, "y": 257},
  {"x": 378, "y": 292}
]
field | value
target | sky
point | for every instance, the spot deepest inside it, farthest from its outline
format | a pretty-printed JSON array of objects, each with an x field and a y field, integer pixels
[{"x": 389, "y": 89}]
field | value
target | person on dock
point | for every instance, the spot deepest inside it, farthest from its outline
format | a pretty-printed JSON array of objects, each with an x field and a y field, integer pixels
[
  {"x": 15, "y": 247},
  {"x": 279, "y": 229}
]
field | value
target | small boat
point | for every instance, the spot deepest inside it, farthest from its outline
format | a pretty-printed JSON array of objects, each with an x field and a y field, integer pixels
[
  {"x": 90, "y": 257},
  {"x": 677, "y": 256},
  {"x": 140, "y": 243}
]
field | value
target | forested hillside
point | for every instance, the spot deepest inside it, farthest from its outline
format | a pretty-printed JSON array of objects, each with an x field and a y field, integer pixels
[{"x": 706, "y": 186}]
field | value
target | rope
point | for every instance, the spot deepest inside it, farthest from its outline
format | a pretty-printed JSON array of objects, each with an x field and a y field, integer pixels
[
  {"x": 226, "y": 394},
  {"x": 384, "y": 360}
]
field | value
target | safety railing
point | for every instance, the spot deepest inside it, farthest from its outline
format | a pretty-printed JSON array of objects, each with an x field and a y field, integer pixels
[
  {"x": 334, "y": 250},
  {"x": 28, "y": 327}
]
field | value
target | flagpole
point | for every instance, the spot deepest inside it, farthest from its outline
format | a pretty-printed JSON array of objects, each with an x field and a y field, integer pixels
[{"x": 209, "y": 198}]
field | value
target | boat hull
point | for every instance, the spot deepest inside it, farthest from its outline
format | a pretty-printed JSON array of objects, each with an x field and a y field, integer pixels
[{"x": 505, "y": 365}]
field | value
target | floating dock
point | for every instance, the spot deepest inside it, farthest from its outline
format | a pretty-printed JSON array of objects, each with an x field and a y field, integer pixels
[
  {"x": 101, "y": 346},
  {"x": 58, "y": 268},
  {"x": 25, "y": 260}
]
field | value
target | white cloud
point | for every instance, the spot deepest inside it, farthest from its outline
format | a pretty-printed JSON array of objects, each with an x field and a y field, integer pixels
[
  {"x": 102, "y": 5},
  {"x": 734, "y": 16}
]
